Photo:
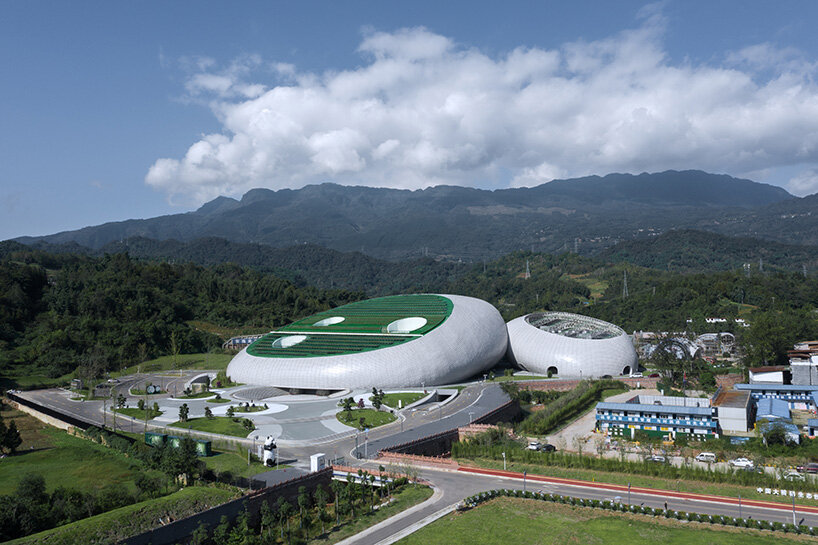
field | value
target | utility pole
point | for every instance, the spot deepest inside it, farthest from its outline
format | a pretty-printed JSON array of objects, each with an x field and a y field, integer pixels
[
  {"x": 527, "y": 270},
  {"x": 625, "y": 285}
]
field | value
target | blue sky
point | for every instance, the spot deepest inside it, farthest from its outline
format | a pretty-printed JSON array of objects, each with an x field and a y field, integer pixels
[{"x": 113, "y": 110}]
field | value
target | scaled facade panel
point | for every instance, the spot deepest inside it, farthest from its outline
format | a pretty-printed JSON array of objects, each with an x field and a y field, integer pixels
[
  {"x": 388, "y": 342},
  {"x": 570, "y": 345}
]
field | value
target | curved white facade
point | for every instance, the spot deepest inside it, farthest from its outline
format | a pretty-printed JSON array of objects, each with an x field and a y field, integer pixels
[
  {"x": 473, "y": 338},
  {"x": 537, "y": 350}
]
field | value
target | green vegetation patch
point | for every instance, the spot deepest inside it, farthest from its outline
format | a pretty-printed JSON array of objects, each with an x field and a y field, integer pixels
[
  {"x": 197, "y": 395},
  {"x": 148, "y": 414},
  {"x": 119, "y": 524},
  {"x": 356, "y": 327},
  {"x": 403, "y": 499},
  {"x": 365, "y": 418},
  {"x": 511, "y": 520},
  {"x": 65, "y": 460},
  {"x": 207, "y": 360},
  {"x": 391, "y": 400},
  {"x": 217, "y": 424}
]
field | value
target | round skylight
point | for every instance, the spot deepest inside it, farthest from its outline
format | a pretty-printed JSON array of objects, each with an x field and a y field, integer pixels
[
  {"x": 332, "y": 320},
  {"x": 288, "y": 341},
  {"x": 406, "y": 325}
]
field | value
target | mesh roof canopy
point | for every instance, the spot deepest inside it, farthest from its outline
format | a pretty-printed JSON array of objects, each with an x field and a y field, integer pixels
[{"x": 574, "y": 326}]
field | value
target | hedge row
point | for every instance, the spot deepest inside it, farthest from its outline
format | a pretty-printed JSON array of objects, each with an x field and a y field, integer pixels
[
  {"x": 473, "y": 450},
  {"x": 477, "y": 499}
]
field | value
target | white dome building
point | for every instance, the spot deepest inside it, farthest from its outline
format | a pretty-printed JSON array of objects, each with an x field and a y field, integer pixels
[
  {"x": 570, "y": 345},
  {"x": 388, "y": 342}
]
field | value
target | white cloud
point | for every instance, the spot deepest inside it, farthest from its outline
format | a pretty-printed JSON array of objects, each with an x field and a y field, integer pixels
[
  {"x": 804, "y": 183},
  {"x": 422, "y": 110}
]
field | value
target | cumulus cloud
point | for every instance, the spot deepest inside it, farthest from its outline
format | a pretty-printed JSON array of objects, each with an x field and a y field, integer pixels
[{"x": 423, "y": 110}]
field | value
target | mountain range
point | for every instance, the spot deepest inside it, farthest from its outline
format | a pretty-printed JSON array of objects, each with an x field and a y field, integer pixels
[{"x": 458, "y": 223}]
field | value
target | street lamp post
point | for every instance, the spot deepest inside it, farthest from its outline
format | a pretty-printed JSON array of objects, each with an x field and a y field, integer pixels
[
  {"x": 629, "y": 494},
  {"x": 739, "y": 506},
  {"x": 504, "y": 461},
  {"x": 471, "y": 417},
  {"x": 793, "y": 512}
]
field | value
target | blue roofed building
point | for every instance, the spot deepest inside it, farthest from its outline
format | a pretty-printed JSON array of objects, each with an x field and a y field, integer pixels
[
  {"x": 799, "y": 397},
  {"x": 768, "y": 408},
  {"x": 662, "y": 416}
]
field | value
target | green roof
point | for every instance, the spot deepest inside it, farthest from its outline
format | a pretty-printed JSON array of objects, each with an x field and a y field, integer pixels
[{"x": 356, "y": 327}]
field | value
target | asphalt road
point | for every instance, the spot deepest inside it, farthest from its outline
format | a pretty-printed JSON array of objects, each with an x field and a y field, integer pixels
[{"x": 453, "y": 486}]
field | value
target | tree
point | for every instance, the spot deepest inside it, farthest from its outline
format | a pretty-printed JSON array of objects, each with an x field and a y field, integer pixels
[
  {"x": 267, "y": 520},
  {"x": 346, "y": 404},
  {"x": 231, "y": 412},
  {"x": 140, "y": 404},
  {"x": 156, "y": 407},
  {"x": 248, "y": 424},
  {"x": 337, "y": 491},
  {"x": 284, "y": 509},
  {"x": 184, "y": 411},
  {"x": 120, "y": 401},
  {"x": 12, "y": 439},
  {"x": 303, "y": 503},
  {"x": 208, "y": 413},
  {"x": 148, "y": 484},
  {"x": 321, "y": 498},
  {"x": 200, "y": 535},
  {"x": 377, "y": 399}
]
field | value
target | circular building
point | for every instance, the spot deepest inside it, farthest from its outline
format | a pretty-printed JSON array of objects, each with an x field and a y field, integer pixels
[
  {"x": 388, "y": 342},
  {"x": 570, "y": 345}
]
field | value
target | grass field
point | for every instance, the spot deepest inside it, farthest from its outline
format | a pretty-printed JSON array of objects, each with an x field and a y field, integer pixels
[
  {"x": 218, "y": 424},
  {"x": 372, "y": 418},
  {"x": 403, "y": 499},
  {"x": 700, "y": 487},
  {"x": 62, "y": 459},
  {"x": 139, "y": 415},
  {"x": 116, "y": 525},
  {"x": 391, "y": 400},
  {"x": 198, "y": 395},
  {"x": 216, "y": 362},
  {"x": 235, "y": 463},
  {"x": 512, "y": 520},
  {"x": 253, "y": 409}
]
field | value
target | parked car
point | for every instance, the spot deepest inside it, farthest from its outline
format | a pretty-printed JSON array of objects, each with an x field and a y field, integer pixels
[
  {"x": 636, "y": 375},
  {"x": 708, "y": 457},
  {"x": 792, "y": 475},
  {"x": 534, "y": 445},
  {"x": 656, "y": 458},
  {"x": 742, "y": 463},
  {"x": 548, "y": 448},
  {"x": 654, "y": 375},
  {"x": 809, "y": 468}
]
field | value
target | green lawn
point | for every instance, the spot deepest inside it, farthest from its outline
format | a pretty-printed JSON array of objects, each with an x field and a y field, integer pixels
[
  {"x": 182, "y": 361},
  {"x": 218, "y": 400},
  {"x": 403, "y": 499},
  {"x": 198, "y": 395},
  {"x": 218, "y": 424},
  {"x": 119, "y": 524},
  {"x": 139, "y": 415},
  {"x": 235, "y": 463},
  {"x": 391, "y": 400},
  {"x": 63, "y": 460},
  {"x": 372, "y": 418},
  {"x": 698, "y": 487},
  {"x": 512, "y": 520},
  {"x": 253, "y": 409}
]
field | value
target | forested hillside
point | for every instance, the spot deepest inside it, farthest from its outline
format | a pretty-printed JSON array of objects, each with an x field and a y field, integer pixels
[
  {"x": 60, "y": 312},
  {"x": 687, "y": 250}
]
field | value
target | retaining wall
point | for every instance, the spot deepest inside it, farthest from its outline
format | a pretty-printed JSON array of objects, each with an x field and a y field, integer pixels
[{"x": 180, "y": 530}]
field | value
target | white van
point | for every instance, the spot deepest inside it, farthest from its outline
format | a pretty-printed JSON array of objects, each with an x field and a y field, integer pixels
[{"x": 706, "y": 457}]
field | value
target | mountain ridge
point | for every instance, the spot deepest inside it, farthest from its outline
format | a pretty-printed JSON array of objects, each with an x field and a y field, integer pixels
[{"x": 453, "y": 222}]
